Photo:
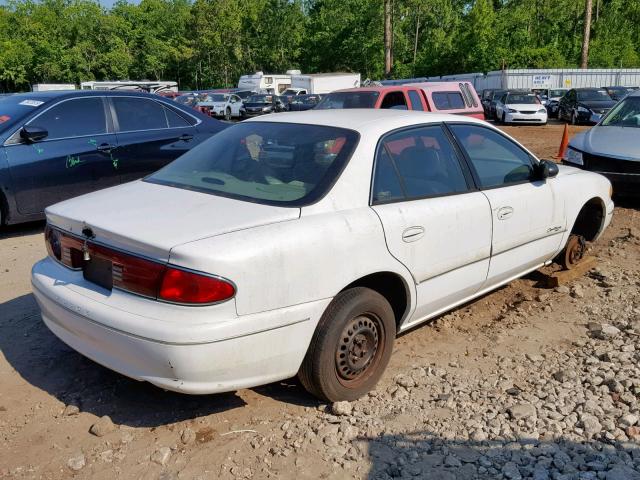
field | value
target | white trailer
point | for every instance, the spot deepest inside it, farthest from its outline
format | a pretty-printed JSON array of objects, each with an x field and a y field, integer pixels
[
  {"x": 273, "y": 83},
  {"x": 48, "y": 87},
  {"x": 146, "y": 85},
  {"x": 321, "y": 83}
]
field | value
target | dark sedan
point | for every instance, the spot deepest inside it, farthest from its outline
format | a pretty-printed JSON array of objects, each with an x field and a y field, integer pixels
[
  {"x": 58, "y": 145},
  {"x": 584, "y": 105},
  {"x": 261, "y": 104}
]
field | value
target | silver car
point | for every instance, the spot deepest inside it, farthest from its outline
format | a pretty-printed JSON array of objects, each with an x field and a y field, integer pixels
[{"x": 612, "y": 147}]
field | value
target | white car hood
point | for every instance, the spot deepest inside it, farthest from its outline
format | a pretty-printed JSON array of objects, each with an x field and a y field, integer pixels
[
  {"x": 150, "y": 219},
  {"x": 614, "y": 142},
  {"x": 527, "y": 107}
]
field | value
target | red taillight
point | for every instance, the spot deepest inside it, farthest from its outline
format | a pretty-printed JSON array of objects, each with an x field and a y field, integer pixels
[
  {"x": 137, "y": 275},
  {"x": 64, "y": 248},
  {"x": 181, "y": 286}
]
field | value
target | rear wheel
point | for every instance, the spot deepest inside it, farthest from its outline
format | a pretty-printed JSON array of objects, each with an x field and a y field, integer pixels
[{"x": 351, "y": 346}]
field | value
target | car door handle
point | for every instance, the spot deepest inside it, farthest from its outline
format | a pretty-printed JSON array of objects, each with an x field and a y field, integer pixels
[
  {"x": 186, "y": 137},
  {"x": 504, "y": 213},
  {"x": 105, "y": 147},
  {"x": 412, "y": 234}
]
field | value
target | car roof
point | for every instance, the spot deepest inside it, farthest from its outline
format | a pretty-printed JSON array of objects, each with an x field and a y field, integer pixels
[
  {"x": 635, "y": 93},
  {"x": 360, "y": 118},
  {"x": 55, "y": 94},
  {"x": 384, "y": 88}
]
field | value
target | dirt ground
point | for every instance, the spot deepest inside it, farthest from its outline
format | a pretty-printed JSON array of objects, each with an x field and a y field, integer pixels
[{"x": 50, "y": 396}]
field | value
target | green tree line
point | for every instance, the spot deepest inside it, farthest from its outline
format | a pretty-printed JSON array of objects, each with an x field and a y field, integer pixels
[{"x": 207, "y": 43}]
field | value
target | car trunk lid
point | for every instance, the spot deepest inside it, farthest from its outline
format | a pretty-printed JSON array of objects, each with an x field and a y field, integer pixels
[{"x": 149, "y": 219}]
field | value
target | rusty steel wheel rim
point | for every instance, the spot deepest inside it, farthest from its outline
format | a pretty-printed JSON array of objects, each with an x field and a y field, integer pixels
[
  {"x": 574, "y": 251},
  {"x": 359, "y": 349}
]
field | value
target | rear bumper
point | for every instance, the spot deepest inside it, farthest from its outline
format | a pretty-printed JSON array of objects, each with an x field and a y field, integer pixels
[{"x": 194, "y": 350}]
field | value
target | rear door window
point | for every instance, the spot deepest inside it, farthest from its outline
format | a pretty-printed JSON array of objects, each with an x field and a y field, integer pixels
[
  {"x": 416, "y": 103},
  {"x": 73, "y": 118},
  {"x": 174, "y": 119},
  {"x": 417, "y": 163},
  {"x": 135, "y": 114},
  {"x": 448, "y": 100}
]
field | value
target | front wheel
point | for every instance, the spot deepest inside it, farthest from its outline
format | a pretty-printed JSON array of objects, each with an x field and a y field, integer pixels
[
  {"x": 227, "y": 114},
  {"x": 351, "y": 346}
]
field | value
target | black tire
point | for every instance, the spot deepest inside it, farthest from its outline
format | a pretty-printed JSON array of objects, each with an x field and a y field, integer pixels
[
  {"x": 503, "y": 119},
  {"x": 227, "y": 114},
  {"x": 343, "y": 363}
]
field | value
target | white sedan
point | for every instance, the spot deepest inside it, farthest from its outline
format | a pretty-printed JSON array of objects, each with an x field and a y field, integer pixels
[
  {"x": 519, "y": 107},
  {"x": 303, "y": 243},
  {"x": 222, "y": 105}
]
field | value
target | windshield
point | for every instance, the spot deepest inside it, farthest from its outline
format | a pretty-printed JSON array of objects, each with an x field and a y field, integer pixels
[
  {"x": 14, "y": 108},
  {"x": 306, "y": 99},
  {"x": 593, "y": 95},
  {"x": 348, "y": 100},
  {"x": 265, "y": 162},
  {"x": 522, "y": 98},
  {"x": 556, "y": 93},
  {"x": 260, "y": 99},
  {"x": 625, "y": 114}
]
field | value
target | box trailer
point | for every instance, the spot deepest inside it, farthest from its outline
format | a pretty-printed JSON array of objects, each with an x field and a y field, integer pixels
[
  {"x": 48, "y": 87},
  {"x": 321, "y": 83},
  {"x": 548, "y": 78}
]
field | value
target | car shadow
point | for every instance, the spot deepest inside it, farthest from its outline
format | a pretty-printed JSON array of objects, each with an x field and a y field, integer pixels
[
  {"x": 48, "y": 364},
  {"x": 22, "y": 229},
  {"x": 428, "y": 455}
]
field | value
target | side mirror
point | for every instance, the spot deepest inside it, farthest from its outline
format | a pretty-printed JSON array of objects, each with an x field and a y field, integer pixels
[
  {"x": 32, "y": 134},
  {"x": 548, "y": 169}
]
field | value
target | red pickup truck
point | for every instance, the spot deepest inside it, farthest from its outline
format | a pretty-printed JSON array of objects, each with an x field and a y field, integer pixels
[{"x": 443, "y": 97}]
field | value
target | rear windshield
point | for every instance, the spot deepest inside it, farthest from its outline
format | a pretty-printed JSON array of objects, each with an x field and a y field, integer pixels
[
  {"x": 593, "y": 95},
  {"x": 348, "y": 100},
  {"x": 265, "y": 162},
  {"x": 14, "y": 108}
]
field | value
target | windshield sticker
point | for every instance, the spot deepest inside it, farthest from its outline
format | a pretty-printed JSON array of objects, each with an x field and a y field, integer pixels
[
  {"x": 31, "y": 103},
  {"x": 4, "y": 118}
]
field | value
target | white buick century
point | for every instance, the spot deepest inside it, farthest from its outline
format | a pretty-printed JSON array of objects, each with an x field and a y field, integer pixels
[{"x": 302, "y": 243}]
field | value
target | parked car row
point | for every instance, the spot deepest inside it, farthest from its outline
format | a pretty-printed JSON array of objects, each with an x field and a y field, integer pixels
[{"x": 576, "y": 105}]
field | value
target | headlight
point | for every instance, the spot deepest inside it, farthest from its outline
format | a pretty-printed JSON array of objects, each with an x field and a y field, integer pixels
[
  {"x": 584, "y": 110},
  {"x": 511, "y": 110},
  {"x": 266, "y": 109},
  {"x": 573, "y": 156},
  {"x": 542, "y": 110}
]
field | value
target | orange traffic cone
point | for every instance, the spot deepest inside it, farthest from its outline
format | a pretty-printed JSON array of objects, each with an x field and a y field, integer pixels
[{"x": 564, "y": 143}]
